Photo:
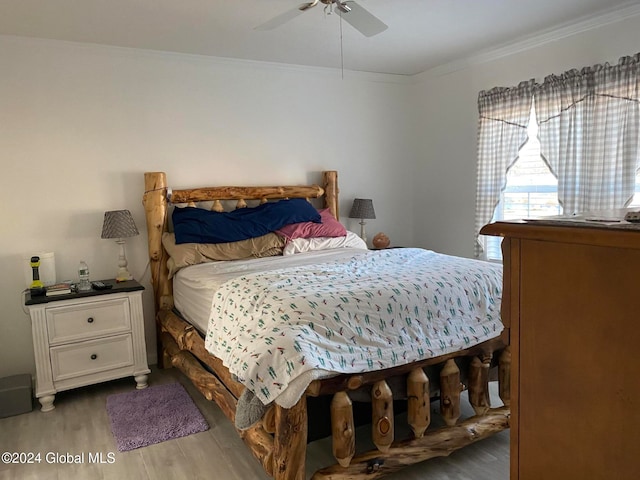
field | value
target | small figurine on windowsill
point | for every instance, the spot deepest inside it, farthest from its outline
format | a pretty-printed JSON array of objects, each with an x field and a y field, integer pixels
[{"x": 381, "y": 241}]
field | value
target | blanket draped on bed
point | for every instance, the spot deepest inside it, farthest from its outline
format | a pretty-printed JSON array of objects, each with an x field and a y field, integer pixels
[{"x": 373, "y": 310}]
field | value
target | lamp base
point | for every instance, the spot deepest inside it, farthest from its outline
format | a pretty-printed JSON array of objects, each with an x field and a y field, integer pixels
[
  {"x": 123, "y": 277},
  {"x": 123, "y": 274},
  {"x": 363, "y": 232}
]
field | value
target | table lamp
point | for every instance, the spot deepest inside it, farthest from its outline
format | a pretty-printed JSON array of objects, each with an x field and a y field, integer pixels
[
  {"x": 363, "y": 209},
  {"x": 119, "y": 224}
]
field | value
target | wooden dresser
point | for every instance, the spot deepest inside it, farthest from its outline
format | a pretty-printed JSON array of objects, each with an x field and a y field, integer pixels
[{"x": 572, "y": 296}]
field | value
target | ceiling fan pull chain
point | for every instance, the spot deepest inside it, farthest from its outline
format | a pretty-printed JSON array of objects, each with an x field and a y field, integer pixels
[
  {"x": 341, "y": 49},
  {"x": 328, "y": 9}
]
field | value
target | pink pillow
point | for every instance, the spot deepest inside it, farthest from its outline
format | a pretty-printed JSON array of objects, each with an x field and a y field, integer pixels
[{"x": 329, "y": 227}]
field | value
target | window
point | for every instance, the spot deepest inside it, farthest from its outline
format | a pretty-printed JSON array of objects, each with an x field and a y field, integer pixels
[
  {"x": 635, "y": 201},
  {"x": 531, "y": 190}
]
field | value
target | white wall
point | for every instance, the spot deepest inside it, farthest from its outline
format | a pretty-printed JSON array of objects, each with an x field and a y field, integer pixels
[
  {"x": 79, "y": 124},
  {"x": 447, "y": 119}
]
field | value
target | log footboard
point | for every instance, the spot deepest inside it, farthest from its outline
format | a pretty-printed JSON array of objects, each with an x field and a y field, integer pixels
[{"x": 279, "y": 441}]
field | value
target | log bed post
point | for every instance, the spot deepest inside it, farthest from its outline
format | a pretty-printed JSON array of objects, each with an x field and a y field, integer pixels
[
  {"x": 479, "y": 384},
  {"x": 290, "y": 441},
  {"x": 418, "y": 402},
  {"x": 330, "y": 185},
  {"x": 504, "y": 376},
  {"x": 342, "y": 428},
  {"x": 450, "y": 388},
  {"x": 155, "y": 206},
  {"x": 382, "y": 422}
]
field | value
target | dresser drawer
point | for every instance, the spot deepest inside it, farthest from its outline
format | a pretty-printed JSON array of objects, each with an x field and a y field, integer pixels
[
  {"x": 87, "y": 320},
  {"x": 91, "y": 356}
]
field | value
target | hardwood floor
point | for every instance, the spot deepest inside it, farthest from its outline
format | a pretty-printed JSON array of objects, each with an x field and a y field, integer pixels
[{"x": 79, "y": 424}]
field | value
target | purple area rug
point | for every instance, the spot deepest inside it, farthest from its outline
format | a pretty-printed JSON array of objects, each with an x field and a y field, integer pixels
[{"x": 153, "y": 415}]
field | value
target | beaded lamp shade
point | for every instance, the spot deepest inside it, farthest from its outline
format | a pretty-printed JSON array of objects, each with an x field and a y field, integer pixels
[
  {"x": 362, "y": 208},
  {"x": 119, "y": 224}
]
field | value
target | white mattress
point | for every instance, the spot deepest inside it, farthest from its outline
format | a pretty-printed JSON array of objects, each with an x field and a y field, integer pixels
[{"x": 194, "y": 286}]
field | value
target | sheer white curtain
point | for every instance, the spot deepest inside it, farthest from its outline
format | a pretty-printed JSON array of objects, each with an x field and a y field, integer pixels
[
  {"x": 589, "y": 127},
  {"x": 502, "y": 130}
]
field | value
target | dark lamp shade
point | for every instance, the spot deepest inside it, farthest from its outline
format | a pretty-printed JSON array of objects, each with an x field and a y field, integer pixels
[
  {"x": 362, "y": 208},
  {"x": 118, "y": 224}
]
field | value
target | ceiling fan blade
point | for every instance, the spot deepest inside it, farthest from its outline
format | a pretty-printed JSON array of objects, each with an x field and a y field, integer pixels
[
  {"x": 363, "y": 21},
  {"x": 307, "y": 6},
  {"x": 286, "y": 16}
]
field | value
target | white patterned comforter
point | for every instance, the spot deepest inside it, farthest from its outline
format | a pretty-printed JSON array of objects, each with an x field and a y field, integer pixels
[{"x": 369, "y": 311}]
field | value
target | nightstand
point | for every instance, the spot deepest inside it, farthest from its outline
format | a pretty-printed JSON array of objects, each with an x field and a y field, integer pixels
[{"x": 87, "y": 337}]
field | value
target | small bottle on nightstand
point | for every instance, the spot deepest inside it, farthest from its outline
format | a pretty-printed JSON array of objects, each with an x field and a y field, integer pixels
[{"x": 83, "y": 274}]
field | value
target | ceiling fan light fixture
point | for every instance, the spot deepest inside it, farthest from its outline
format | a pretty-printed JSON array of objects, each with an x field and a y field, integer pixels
[
  {"x": 358, "y": 17},
  {"x": 343, "y": 7},
  {"x": 339, "y": 4}
]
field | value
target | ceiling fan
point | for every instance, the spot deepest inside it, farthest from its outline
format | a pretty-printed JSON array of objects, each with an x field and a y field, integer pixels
[{"x": 359, "y": 18}]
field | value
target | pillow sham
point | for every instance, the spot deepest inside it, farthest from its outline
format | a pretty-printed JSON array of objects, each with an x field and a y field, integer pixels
[
  {"x": 301, "y": 245},
  {"x": 185, "y": 254},
  {"x": 330, "y": 227},
  {"x": 196, "y": 225}
]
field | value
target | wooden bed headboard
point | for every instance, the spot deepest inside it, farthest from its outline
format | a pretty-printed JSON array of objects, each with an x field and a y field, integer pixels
[{"x": 158, "y": 197}]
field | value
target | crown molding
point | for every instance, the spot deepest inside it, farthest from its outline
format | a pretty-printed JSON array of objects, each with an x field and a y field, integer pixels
[
  {"x": 328, "y": 72},
  {"x": 529, "y": 42}
]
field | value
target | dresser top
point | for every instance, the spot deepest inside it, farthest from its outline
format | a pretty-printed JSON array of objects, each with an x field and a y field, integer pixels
[{"x": 613, "y": 234}]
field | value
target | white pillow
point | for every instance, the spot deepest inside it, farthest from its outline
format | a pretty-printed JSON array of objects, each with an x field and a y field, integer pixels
[{"x": 300, "y": 245}]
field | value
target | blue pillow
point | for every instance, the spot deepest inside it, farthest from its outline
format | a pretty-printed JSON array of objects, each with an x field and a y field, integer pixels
[{"x": 196, "y": 225}]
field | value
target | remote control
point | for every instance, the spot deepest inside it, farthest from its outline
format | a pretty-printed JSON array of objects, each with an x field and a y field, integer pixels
[{"x": 100, "y": 286}]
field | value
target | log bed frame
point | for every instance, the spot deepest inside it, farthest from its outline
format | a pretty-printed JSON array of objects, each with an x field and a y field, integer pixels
[{"x": 279, "y": 441}]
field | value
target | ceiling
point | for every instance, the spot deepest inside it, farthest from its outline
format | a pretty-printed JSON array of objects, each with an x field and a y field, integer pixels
[{"x": 422, "y": 34}]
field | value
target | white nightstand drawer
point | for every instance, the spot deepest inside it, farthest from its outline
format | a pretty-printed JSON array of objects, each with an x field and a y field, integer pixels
[
  {"x": 91, "y": 356},
  {"x": 88, "y": 320}
]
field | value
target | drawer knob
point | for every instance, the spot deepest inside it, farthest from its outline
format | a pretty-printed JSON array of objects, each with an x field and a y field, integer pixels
[
  {"x": 90, "y": 320},
  {"x": 94, "y": 356}
]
